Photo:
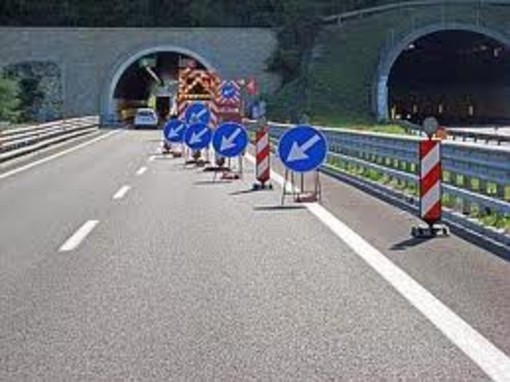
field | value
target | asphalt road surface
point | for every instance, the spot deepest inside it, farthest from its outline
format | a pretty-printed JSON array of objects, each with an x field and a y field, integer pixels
[{"x": 118, "y": 263}]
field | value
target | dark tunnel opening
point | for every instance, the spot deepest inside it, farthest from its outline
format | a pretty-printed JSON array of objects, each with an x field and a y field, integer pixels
[
  {"x": 461, "y": 77},
  {"x": 151, "y": 81}
]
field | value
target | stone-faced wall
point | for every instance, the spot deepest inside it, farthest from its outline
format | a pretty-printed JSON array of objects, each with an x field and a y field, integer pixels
[{"x": 90, "y": 58}]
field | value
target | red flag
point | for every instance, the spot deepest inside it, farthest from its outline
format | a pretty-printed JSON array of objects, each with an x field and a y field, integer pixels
[{"x": 251, "y": 87}]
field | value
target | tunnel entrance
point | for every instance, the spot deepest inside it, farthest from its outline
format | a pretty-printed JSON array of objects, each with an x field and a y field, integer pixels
[
  {"x": 150, "y": 81},
  {"x": 461, "y": 77}
]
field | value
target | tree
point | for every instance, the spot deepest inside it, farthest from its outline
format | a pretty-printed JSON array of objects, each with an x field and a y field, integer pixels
[{"x": 9, "y": 101}]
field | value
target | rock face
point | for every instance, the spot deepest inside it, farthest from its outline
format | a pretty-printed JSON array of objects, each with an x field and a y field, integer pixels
[{"x": 40, "y": 89}]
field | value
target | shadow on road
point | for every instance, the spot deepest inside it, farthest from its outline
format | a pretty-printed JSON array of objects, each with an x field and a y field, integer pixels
[
  {"x": 279, "y": 208},
  {"x": 211, "y": 182},
  {"x": 409, "y": 243},
  {"x": 242, "y": 192}
]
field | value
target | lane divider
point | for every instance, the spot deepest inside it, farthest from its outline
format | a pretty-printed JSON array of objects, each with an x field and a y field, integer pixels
[
  {"x": 141, "y": 171},
  {"x": 75, "y": 240},
  {"x": 479, "y": 349},
  {"x": 121, "y": 192}
]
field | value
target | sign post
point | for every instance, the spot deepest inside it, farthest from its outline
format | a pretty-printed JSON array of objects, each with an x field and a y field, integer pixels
[
  {"x": 302, "y": 149},
  {"x": 197, "y": 137},
  {"x": 173, "y": 132},
  {"x": 430, "y": 183},
  {"x": 197, "y": 112},
  {"x": 230, "y": 140}
]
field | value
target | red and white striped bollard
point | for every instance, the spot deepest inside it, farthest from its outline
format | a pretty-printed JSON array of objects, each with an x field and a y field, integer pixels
[{"x": 262, "y": 158}]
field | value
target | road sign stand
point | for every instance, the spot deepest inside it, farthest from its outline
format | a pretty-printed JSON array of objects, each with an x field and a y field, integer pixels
[
  {"x": 180, "y": 153},
  {"x": 230, "y": 173},
  {"x": 197, "y": 158},
  {"x": 230, "y": 141},
  {"x": 430, "y": 185},
  {"x": 172, "y": 138},
  {"x": 299, "y": 194},
  {"x": 169, "y": 149},
  {"x": 302, "y": 149}
]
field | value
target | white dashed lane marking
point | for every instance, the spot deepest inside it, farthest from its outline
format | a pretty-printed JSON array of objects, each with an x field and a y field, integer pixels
[
  {"x": 75, "y": 240},
  {"x": 121, "y": 192},
  {"x": 141, "y": 171}
]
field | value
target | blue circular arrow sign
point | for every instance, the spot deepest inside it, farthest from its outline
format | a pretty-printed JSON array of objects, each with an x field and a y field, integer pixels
[
  {"x": 228, "y": 91},
  {"x": 174, "y": 131},
  {"x": 302, "y": 148},
  {"x": 197, "y": 136},
  {"x": 230, "y": 139},
  {"x": 197, "y": 113}
]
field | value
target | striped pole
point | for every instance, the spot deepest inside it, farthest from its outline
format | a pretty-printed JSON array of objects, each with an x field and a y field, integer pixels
[
  {"x": 430, "y": 181},
  {"x": 262, "y": 150}
]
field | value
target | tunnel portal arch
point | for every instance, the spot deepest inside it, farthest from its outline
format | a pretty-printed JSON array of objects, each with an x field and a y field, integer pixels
[
  {"x": 390, "y": 56},
  {"x": 108, "y": 107}
]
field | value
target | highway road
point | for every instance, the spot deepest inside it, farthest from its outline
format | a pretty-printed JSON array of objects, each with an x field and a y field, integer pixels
[{"x": 118, "y": 263}]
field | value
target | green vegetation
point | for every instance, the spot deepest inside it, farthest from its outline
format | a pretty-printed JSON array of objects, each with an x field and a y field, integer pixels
[
  {"x": 327, "y": 71},
  {"x": 175, "y": 13},
  {"x": 487, "y": 218},
  {"x": 9, "y": 101}
]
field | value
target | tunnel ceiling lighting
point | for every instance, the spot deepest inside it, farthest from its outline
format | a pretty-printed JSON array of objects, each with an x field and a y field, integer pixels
[{"x": 153, "y": 74}]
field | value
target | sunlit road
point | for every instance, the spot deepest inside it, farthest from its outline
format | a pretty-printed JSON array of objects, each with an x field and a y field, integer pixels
[{"x": 115, "y": 264}]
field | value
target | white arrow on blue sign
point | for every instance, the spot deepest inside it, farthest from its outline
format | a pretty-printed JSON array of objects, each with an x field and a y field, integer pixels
[
  {"x": 174, "y": 131},
  {"x": 302, "y": 148},
  {"x": 228, "y": 91},
  {"x": 230, "y": 139},
  {"x": 197, "y": 136},
  {"x": 197, "y": 112}
]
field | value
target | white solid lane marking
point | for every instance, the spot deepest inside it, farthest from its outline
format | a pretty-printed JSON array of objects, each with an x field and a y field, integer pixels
[
  {"x": 480, "y": 350},
  {"x": 121, "y": 192},
  {"x": 141, "y": 171},
  {"x": 55, "y": 156},
  {"x": 74, "y": 241}
]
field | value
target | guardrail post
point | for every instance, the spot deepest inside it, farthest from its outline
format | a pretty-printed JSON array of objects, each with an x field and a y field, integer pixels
[{"x": 500, "y": 191}]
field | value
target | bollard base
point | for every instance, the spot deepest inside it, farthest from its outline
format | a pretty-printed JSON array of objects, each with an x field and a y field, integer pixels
[
  {"x": 262, "y": 186},
  {"x": 229, "y": 175},
  {"x": 216, "y": 169},
  {"x": 429, "y": 231}
]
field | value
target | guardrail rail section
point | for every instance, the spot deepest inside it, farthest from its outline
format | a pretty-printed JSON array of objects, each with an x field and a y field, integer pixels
[
  {"x": 476, "y": 178},
  {"x": 16, "y": 142}
]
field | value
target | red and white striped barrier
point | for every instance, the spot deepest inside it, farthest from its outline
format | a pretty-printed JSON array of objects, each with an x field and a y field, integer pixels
[
  {"x": 262, "y": 152},
  {"x": 430, "y": 181}
]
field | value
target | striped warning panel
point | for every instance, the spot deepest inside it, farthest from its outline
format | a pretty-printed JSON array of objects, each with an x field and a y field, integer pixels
[
  {"x": 430, "y": 180},
  {"x": 262, "y": 151}
]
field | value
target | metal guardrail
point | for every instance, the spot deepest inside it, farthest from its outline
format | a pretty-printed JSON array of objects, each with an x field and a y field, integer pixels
[
  {"x": 477, "y": 136},
  {"x": 468, "y": 134},
  {"x": 20, "y": 141},
  {"x": 475, "y": 177}
]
